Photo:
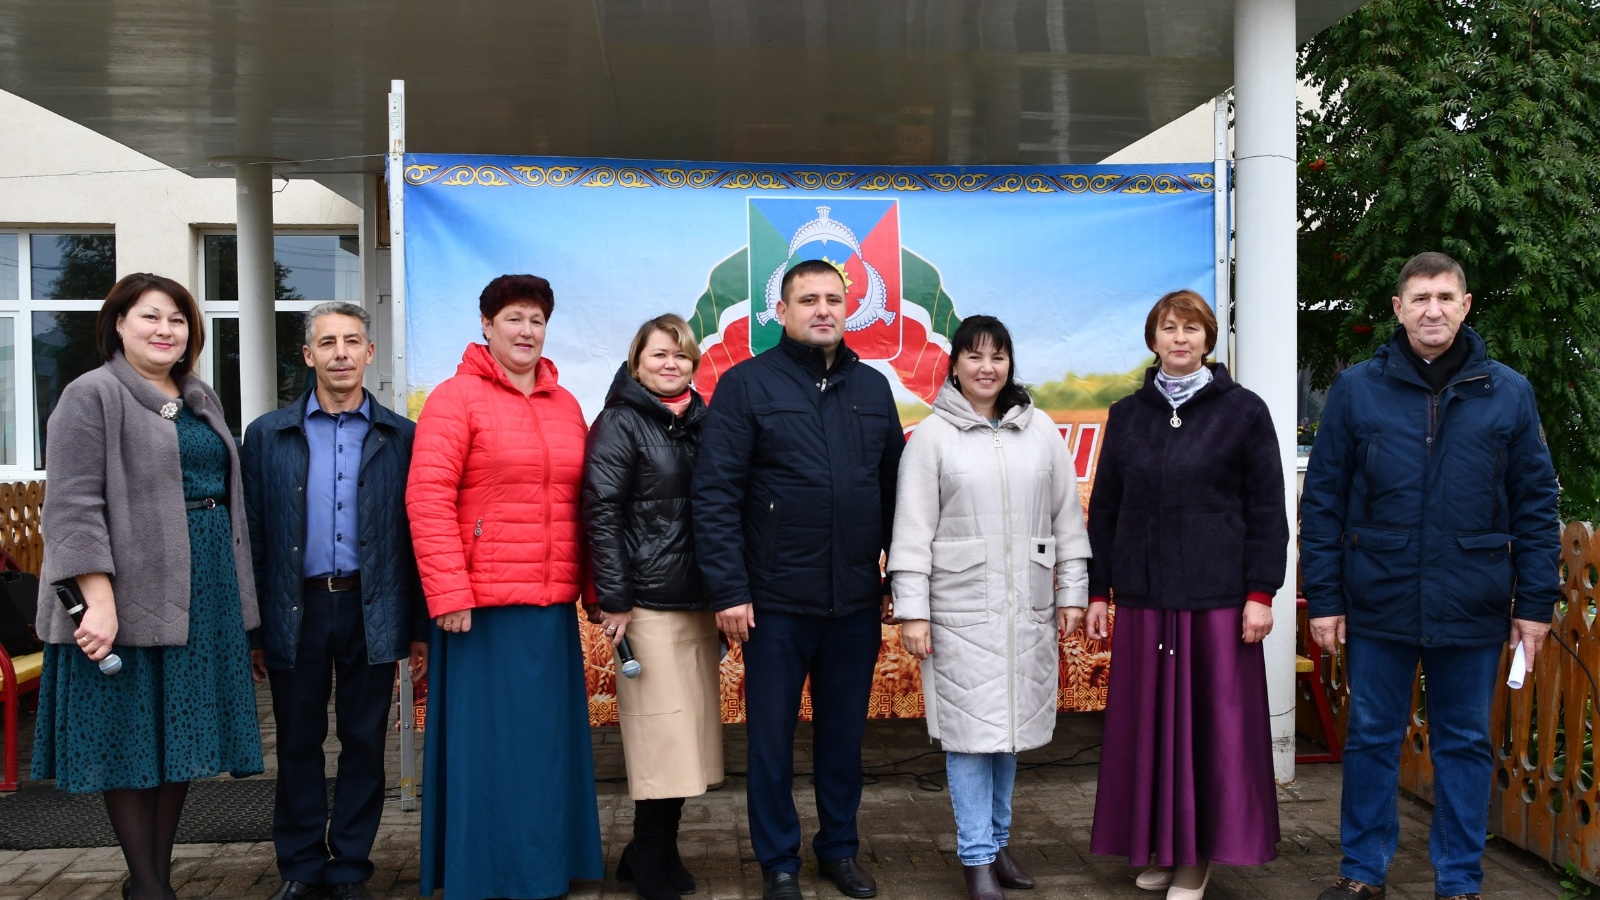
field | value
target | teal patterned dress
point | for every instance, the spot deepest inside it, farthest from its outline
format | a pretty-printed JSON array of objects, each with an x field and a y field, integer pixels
[{"x": 173, "y": 713}]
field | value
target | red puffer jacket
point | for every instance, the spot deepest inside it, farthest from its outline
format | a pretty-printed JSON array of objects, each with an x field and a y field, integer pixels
[{"x": 494, "y": 490}]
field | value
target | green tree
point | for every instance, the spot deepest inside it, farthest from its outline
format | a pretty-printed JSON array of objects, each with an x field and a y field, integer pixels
[{"x": 1471, "y": 128}]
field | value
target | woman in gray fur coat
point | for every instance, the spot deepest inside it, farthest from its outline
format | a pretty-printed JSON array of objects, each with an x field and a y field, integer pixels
[{"x": 145, "y": 513}]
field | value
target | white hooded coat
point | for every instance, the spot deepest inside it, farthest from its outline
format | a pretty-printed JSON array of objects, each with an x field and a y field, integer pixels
[{"x": 989, "y": 541}]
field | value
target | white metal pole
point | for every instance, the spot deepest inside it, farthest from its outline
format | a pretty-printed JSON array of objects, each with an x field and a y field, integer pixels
[
  {"x": 1222, "y": 196},
  {"x": 395, "y": 177},
  {"x": 258, "y": 337},
  {"x": 394, "y": 173},
  {"x": 1265, "y": 310}
]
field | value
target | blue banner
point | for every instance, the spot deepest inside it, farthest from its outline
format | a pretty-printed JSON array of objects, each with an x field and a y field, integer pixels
[{"x": 1070, "y": 257}]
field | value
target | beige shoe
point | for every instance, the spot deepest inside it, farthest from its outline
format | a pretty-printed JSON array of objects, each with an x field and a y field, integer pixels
[
  {"x": 1190, "y": 893},
  {"x": 1155, "y": 878}
]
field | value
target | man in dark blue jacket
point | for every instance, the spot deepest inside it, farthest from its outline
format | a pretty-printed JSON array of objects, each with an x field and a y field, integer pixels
[
  {"x": 793, "y": 502},
  {"x": 1428, "y": 533},
  {"x": 325, "y": 488}
]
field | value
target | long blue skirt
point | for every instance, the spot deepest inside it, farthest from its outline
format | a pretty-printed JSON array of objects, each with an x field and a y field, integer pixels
[{"x": 508, "y": 771}]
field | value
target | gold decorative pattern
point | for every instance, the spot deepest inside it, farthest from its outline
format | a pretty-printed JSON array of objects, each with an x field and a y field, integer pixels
[{"x": 606, "y": 176}]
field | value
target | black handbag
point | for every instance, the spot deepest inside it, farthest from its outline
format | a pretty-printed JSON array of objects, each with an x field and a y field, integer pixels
[{"x": 19, "y": 603}]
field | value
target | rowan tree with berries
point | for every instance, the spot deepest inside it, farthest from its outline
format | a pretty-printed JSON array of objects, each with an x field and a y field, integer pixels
[{"x": 1472, "y": 128}]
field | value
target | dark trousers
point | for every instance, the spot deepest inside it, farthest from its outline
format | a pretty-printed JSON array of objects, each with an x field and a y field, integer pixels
[
  {"x": 314, "y": 847},
  {"x": 839, "y": 655}
]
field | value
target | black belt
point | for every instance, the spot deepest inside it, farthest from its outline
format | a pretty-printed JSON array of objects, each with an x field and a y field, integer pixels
[
  {"x": 334, "y": 585},
  {"x": 207, "y": 503}
]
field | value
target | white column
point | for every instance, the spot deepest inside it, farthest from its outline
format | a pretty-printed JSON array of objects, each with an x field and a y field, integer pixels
[
  {"x": 258, "y": 339},
  {"x": 1265, "y": 320}
]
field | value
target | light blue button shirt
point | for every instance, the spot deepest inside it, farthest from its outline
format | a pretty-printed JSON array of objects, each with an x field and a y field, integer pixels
[{"x": 332, "y": 541}]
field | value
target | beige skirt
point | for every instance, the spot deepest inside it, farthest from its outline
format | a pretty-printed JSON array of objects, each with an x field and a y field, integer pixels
[{"x": 671, "y": 714}]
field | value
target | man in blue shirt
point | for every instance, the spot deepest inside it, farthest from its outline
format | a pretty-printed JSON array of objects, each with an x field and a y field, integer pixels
[{"x": 325, "y": 485}]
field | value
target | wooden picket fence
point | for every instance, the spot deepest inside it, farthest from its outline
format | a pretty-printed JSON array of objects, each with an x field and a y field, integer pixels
[
  {"x": 1544, "y": 798},
  {"x": 19, "y": 522}
]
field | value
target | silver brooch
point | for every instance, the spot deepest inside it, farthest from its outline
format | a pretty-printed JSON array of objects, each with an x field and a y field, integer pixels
[{"x": 170, "y": 410}]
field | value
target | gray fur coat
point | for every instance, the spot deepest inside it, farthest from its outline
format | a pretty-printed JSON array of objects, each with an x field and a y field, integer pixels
[{"x": 114, "y": 504}]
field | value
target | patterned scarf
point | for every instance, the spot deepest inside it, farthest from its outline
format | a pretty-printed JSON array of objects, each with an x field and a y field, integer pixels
[{"x": 1178, "y": 390}]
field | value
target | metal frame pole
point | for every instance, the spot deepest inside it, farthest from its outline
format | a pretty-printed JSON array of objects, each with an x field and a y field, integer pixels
[
  {"x": 395, "y": 177},
  {"x": 1222, "y": 196}
]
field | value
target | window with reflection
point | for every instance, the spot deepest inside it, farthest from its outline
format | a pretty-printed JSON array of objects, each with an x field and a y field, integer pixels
[
  {"x": 294, "y": 377},
  {"x": 52, "y": 282},
  {"x": 307, "y": 269},
  {"x": 8, "y": 391},
  {"x": 72, "y": 266},
  {"x": 76, "y": 270},
  {"x": 63, "y": 349},
  {"x": 8, "y": 267}
]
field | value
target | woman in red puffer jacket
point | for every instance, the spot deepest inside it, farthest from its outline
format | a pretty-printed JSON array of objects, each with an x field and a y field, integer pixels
[{"x": 493, "y": 496}]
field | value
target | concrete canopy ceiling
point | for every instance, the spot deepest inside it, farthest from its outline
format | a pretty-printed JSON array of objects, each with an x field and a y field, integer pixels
[{"x": 199, "y": 84}]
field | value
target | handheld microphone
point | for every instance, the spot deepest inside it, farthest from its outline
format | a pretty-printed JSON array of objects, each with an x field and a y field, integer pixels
[
  {"x": 72, "y": 598},
  {"x": 627, "y": 665}
]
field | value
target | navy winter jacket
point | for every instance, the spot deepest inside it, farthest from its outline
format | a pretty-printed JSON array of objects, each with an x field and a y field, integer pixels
[
  {"x": 1423, "y": 513},
  {"x": 794, "y": 489},
  {"x": 276, "y": 459}
]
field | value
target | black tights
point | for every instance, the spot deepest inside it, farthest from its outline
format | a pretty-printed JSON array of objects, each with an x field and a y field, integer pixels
[{"x": 146, "y": 823}]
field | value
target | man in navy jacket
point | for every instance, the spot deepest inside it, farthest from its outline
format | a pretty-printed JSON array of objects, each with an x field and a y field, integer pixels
[
  {"x": 793, "y": 502},
  {"x": 325, "y": 487},
  {"x": 1429, "y": 504}
]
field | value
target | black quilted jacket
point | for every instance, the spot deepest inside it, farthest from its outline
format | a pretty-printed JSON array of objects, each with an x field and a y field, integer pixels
[
  {"x": 636, "y": 477},
  {"x": 275, "y": 461}
]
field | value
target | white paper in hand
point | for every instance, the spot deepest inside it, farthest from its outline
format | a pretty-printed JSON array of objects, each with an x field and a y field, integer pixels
[{"x": 1519, "y": 667}]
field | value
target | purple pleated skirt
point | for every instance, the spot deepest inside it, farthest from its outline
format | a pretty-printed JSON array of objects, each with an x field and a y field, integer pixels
[{"x": 1186, "y": 762}]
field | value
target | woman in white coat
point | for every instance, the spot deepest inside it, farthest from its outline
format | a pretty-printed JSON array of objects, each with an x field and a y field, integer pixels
[{"x": 989, "y": 566}]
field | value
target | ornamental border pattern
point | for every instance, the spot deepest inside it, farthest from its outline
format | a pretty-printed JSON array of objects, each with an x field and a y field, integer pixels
[{"x": 464, "y": 175}]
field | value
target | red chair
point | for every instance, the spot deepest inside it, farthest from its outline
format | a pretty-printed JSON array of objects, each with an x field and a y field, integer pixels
[
  {"x": 17, "y": 677},
  {"x": 1308, "y": 667}
]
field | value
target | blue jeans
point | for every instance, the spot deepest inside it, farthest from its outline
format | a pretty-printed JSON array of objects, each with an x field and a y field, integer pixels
[
  {"x": 1460, "y": 688},
  {"x": 980, "y": 792}
]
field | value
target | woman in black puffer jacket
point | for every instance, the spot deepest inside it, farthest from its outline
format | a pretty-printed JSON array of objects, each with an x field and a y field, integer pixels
[{"x": 637, "y": 469}]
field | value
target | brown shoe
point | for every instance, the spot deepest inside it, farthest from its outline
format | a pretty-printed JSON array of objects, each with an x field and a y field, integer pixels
[
  {"x": 982, "y": 883},
  {"x": 1009, "y": 873},
  {"x": 1351, "y": 889},
  {"x": 1472, "y": 896}
]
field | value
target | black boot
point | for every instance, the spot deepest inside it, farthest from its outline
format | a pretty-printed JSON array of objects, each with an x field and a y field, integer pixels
[
  {"x": 678, "y": 876},
  {"x": 645, "y": 859}
]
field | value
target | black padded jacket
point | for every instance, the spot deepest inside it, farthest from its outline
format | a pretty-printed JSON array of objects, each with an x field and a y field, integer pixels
[{"x": 636, "y": 478}]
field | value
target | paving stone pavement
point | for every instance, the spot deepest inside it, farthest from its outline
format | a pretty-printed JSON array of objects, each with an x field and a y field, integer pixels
[{"x": 907, "y": 835}]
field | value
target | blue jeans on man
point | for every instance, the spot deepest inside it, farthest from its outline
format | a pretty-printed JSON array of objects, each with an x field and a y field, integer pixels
[{"x": 1460, "y": 686}]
